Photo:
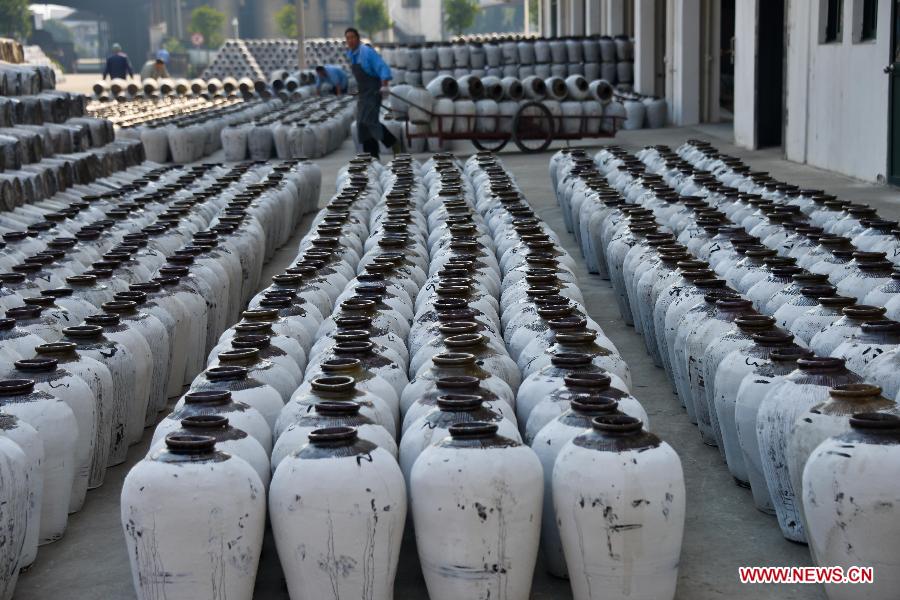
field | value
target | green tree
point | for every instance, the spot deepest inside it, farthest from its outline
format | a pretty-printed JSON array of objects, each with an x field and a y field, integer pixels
[
  {"x": 210, "y": 23},
  {"x": 286, "y": 20},
  {"x": 173, "y": 45},
  {"x": 459, "y": 15},
  {"x": 534, "y": 9},
  {"x": 14, "y": 18},
  {"x": 372, "y": 16}
]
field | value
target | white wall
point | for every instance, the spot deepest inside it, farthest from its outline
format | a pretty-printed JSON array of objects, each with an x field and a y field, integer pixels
[
  {"x": 645, "y": 43},
  {"x": 745, "y": 76},
  {"x": 593, "y": 19},
  {"x": 683, "y": 61},
  {"x": 837, "y": 94},
  {"x": 613, "y": 22}
]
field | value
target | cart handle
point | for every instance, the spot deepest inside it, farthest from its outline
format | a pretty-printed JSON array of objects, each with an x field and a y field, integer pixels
[{"x": 413, "y": 104}]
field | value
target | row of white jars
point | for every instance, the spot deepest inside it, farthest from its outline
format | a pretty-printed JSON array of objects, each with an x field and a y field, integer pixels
[
  {"x": 108, "y": 378},
  {"x": 453, "y": 243},
  {"x": 560, "y": 441},
  {"x": 353, "y": 311},
  {"x": 253, "y": 372},
  {"x": 509, "y": 52},
  {"x": 309, "y": 128},
  {"x": 752, "y": 413}
]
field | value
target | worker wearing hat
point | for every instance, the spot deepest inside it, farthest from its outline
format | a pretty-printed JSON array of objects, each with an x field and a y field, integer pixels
[
  {"x": 331, "y": 75},
  {"x": 117, "y": 64},
  {"x": 371, "y": 74}
]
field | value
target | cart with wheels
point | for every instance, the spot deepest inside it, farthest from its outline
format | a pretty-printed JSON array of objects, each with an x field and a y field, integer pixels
[{"x": 532, "y": 128}]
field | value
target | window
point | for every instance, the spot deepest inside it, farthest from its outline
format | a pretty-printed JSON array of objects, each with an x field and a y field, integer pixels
[
  {"x": 833, "y": 18},
  {"x": 411, "y": 4},
  {"x": 865, "y": 20}
]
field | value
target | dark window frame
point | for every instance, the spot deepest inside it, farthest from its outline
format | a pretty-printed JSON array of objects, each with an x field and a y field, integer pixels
[
  {"x": 868, "y": 28},
  {"x": 833, "y": 21}
]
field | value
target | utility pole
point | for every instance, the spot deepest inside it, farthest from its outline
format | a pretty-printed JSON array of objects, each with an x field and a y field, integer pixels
[
  {"x": 527, "y": 28},
  {"x": 301, "y": 35}
]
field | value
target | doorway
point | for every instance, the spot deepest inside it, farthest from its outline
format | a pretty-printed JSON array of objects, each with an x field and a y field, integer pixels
[
  {"x": 726, "y": 60},
  {"x": 893, "y": 70},
  {"x": 554, "y": 18},
  {"x": 770, "y": 74}
]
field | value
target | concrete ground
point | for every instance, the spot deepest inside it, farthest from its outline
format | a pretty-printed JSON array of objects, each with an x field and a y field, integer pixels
[
  {"x": 723, "y": 531},
  {"x": 78, "y": 82}
]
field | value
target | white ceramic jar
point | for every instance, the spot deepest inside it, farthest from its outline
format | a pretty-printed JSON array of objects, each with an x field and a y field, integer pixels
[
  {"x": 220, "y": 550},
  {"x": 217, "y": 403},
  {"x": 14, "y": 510},
  {"x": 58, "y": 428},
  {"x": 605, "y": 482},
  {"x": 228, "y": 439},
  {"x": 476, "y": 501},
  {"x": 845, "y": 504},
  {"x": 547, "y": 444},
  {"x": 29, "y": 442},
  {"x": 791, "y": 397},
  {"x": 338, "y": 508}
]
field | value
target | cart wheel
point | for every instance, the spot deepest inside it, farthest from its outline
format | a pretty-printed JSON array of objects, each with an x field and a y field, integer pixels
[
  {"x": 533, "y": 127},
  {"x": 490, "y": 145}
]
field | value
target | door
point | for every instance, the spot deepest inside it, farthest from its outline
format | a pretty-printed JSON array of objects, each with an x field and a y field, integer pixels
[
  {"x": 770, "y": 74},
  {"x": 726, "y": 59},
  {"x": 554, "y": 18},
  {"x": 893, "y": 71}
]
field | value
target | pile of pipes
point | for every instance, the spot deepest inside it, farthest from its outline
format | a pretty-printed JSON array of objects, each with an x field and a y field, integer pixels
[
  {"x": 255, "y": 58},
  {"x": 271, "y": 54},
  {"x": 327, "y": 51},
  {"x": 290, "y": 81},
  {"x": 121, "y": 90},
  {"x": 47, "y": 144},
  {"x": 603, "y": 57},
  {"x": 494, "y": 36},
  {"x": 234, "y": 59}
]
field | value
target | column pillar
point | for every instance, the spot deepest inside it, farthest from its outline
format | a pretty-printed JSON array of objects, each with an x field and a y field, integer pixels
[
  {"x": 745, "y": 17},
  {"x": 592, "y": 18},
  {"x": 614, "y": 21},
  {"x": 315, "y": 20},
  {"x": 684, "y": 94},
  {"x": 230, "y": 9},
  {"x": 264, "y": 15},
  {"x": 645, "y": 46}
]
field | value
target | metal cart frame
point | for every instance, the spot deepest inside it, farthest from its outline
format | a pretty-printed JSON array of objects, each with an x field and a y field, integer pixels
[{"x": 532, "y": 129}]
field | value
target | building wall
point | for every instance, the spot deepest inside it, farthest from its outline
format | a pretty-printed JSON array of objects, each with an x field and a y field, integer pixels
[
  {"x": 418, "y": 18},
  {"x": 745, "y": 75},
  {"x": 837, "y": 95}
]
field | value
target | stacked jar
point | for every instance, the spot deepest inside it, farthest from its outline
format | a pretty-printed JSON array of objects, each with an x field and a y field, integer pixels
[
  {"x": 745, "y": 290},
  {"x": 111, "y": 294}
]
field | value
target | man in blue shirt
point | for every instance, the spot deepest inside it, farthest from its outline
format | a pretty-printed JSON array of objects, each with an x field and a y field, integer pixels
[
  {"x": 371, "y": 74},
  {"x": 331, "y": 74},
  {"x": 117, "y": 64}
]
